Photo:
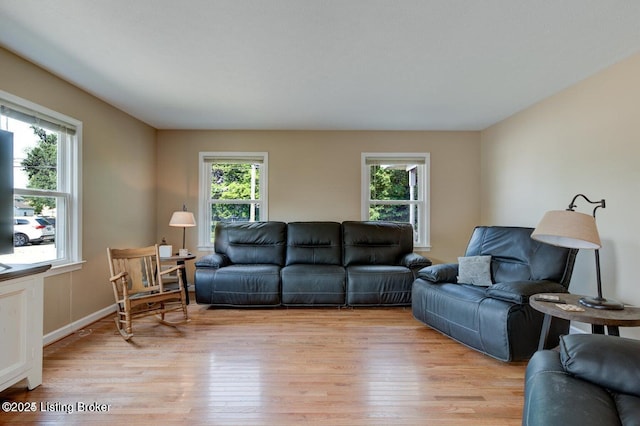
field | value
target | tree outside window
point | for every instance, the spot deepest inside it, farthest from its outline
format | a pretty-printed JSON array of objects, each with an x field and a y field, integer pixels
[
  {"x": 233, "y": 189},
  {"x": 394, "y": 188}
]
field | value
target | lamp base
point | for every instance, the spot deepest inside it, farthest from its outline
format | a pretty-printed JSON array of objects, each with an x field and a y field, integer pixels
[{"x": 601, "y": 303}]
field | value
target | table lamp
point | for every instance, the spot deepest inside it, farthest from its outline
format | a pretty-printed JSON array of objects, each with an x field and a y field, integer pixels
[
  {"x": 183, "y": 219},
  {"x": 568, "y": 228}
]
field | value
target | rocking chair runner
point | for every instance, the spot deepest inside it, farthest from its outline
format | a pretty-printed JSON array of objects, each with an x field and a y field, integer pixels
[{"x": 138, "y": 288}]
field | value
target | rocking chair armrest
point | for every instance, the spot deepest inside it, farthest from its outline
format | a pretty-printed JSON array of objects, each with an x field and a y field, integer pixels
[
  {"x": 172, "y": 269},
  {"x": 118, "y": 276}
]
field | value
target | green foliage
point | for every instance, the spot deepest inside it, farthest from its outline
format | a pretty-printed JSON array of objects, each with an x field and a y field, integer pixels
[
  {"x": 41, "y": 164},
  {"x": 388, "y": 183},
  {"x": 232, "y": 181}
]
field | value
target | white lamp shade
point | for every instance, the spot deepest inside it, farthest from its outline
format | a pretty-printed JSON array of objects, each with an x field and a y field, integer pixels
[
  {"x": 182, "y": 219},
  {"x": 566, "y": 228}
]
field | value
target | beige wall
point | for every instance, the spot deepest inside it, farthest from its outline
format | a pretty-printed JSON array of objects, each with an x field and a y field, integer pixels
[
  {"x": 315, "y": 175},
  {"x": 585, "y": 139},
  {"x": 119, "y": 194}
]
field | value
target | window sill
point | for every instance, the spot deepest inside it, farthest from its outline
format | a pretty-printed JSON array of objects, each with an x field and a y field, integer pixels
[{"x": 64, "y": 268}]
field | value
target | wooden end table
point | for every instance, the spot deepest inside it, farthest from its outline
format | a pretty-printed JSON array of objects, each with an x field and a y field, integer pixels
[
  {"x": 598, "y": 318},
  {"x": 180, "y": 260}
]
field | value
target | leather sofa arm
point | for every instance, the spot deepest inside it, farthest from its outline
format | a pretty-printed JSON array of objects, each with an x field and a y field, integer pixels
[
  {"x": 414, "y": 261},
  {"x": 213, "y": 260},
  {"x": 609, "y": 361},
  {"x": 520, "y": 291},
  {"x": 441, "y": 273}
]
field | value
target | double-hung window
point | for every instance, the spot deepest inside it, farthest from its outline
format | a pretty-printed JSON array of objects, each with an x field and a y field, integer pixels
[
  {"x": 395, "y": 187},
  {"x": 46, "y": 183},
  {"x": 233, "y": 188}
]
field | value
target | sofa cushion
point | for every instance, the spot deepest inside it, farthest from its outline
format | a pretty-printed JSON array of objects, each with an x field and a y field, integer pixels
[
  {"x": 608, "y": 361},
  {"x": 376, "y": 243},
  {"x": 314, "y": 243},
  {"x": 475, "y": 270},
  {"x": 515, "y": 256},
  {"x": 251, "y": 242}
]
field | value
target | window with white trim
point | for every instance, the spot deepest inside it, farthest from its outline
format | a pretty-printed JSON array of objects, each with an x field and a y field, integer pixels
[
  {"x": 233, "y": 188},
  {"x": 47, "y": 177},
  {"x": 395, "y": 187}
]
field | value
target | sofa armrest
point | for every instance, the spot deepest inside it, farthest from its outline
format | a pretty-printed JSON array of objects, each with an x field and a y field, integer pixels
[
  {"x": 519, "y": 291},
  {"x": 441, "y": 273},
  {"x": 414, "y": 261},
  {"x": 608, "y": 361},
  {"x": 213, "y": 260}
]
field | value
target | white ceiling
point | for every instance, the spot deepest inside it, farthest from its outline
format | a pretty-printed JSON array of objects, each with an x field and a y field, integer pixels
[{"x": 322, "y": 64}]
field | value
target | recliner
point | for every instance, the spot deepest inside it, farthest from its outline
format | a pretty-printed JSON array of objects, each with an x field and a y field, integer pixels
[
  {"x": 592, "y": 379},
  {"x": 496, "y": 320}
]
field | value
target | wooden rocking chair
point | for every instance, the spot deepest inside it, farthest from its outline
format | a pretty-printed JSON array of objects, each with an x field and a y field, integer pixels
[{"x": 136, "y": 277}]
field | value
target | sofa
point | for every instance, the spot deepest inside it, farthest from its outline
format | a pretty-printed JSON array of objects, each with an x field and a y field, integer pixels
[
  {"x": 592, "y": 379},
  {"x": 269, "y": 264},
  {"x": 487, "y": 306}
]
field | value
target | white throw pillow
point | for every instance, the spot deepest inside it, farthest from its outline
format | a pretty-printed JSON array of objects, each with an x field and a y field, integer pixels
[{"x": 475, "y": 270}]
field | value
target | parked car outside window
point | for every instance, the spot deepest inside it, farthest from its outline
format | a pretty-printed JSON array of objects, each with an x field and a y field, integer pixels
[{"x": 32, "y": 229}]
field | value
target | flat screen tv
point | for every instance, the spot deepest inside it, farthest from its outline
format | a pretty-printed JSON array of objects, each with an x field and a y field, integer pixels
[{"x": 6, "y": 192}]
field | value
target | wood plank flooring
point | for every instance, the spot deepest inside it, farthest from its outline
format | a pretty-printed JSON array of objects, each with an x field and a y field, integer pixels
[{"x": 316, "y": 366}]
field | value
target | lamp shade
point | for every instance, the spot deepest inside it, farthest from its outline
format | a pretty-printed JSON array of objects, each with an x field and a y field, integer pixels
[
  {"x": 567, "y": 228},
  {"x": 182, "y": 219}
]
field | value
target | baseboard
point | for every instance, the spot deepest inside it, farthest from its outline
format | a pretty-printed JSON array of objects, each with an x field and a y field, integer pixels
[
  {"x": 76, "y": 325},
  {"x": 575, "y": 330}
]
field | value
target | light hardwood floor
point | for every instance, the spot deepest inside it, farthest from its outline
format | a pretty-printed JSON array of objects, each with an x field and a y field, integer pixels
[{"x": 316, "y": 366}]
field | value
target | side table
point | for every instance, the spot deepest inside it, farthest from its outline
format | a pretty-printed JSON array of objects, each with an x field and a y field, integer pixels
[
  {"x": 180, "y": 260},
  {"x": 598, "y": 318}
]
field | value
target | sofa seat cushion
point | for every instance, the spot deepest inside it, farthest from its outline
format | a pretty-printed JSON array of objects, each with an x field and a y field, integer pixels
[
  {"x": 313, "y": 285},
  {"x": 379, "y": 285},
  {"x": 239, "y": 285}
]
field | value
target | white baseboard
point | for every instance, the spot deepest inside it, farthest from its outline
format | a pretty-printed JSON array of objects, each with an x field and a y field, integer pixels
[
  {"x": 76, "y": 325},
  {"x": 575, "y": 330}
]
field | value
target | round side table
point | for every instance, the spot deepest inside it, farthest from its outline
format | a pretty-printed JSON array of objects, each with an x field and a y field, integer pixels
[{"x": 598, "y": 318}]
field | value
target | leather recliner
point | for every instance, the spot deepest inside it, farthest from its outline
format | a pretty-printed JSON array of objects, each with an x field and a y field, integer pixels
[
  {"x": 245, "y": 268},
  {"x": 593, "y": 379},
  {"x": 497, "y": 319}
]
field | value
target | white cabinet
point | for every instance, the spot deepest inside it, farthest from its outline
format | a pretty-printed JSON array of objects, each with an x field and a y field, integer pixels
[{"x": 21, "y": 312}]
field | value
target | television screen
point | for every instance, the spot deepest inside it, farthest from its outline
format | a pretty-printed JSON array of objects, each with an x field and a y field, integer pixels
[{"x": 6, "y": 192}]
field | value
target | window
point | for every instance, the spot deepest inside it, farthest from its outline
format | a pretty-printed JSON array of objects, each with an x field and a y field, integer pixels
[
  {"x": 233, "y": 187},
  {"x": 46, "y": 183},
  {"x": 395, "y": 187}
]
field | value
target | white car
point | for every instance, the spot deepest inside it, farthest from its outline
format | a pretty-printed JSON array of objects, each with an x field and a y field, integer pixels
[{"x": 32, "y": 229}]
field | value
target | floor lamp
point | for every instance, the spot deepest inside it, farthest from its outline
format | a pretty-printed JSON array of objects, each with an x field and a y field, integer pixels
[{"x": 568, "y": 228}]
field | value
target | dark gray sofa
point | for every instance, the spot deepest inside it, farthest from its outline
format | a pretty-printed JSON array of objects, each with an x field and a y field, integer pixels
[
  {"x": 497, "y": 319},
  {"x": 592, "y": 379},
  {"x": 309, "y": 264}
]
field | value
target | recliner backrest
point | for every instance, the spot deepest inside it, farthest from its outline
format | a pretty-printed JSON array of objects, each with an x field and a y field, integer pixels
[
  {"x": 314, "y": 243},
  {"x": 515, "y": 256},
  {"x": 376, "y": 243},
  {"x": 252, "y": 242}
]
